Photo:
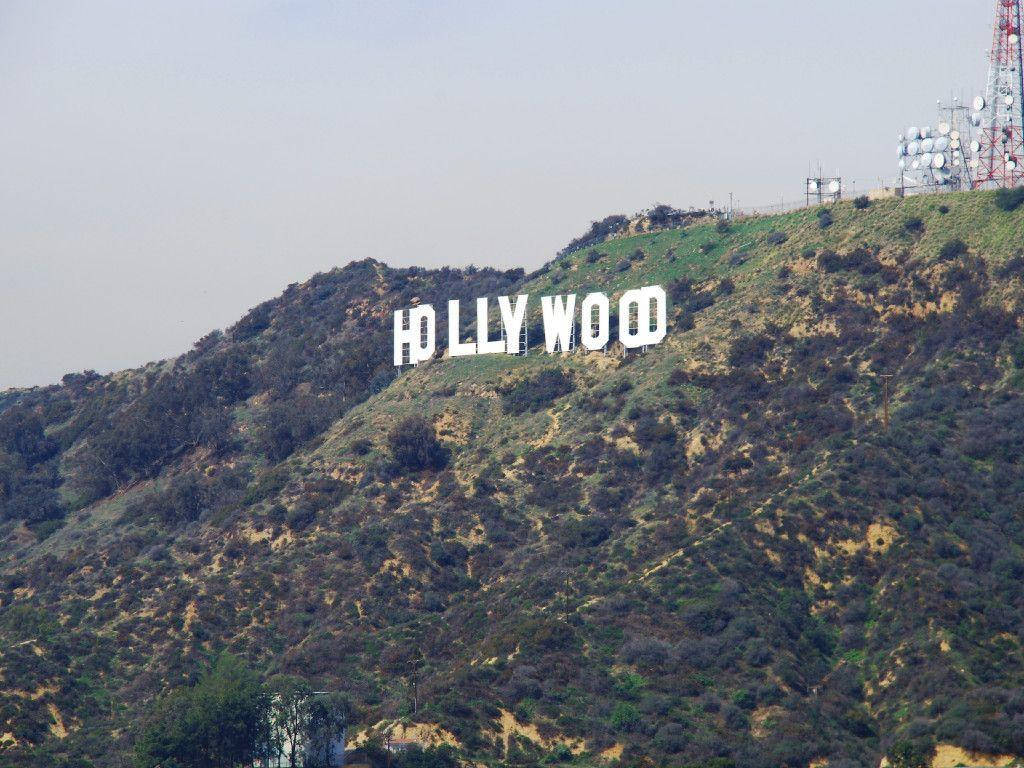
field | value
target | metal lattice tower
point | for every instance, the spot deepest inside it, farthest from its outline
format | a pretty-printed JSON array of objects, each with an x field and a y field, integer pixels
[{"x": 999, "y": 115}]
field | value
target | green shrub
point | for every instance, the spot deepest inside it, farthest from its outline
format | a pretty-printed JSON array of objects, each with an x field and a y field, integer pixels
[
  {"x": 1010, "y": 199},
  {"x": 625, "y": 717},
  {"x": 862, "y": 202},
  {"x": 415, "y": 447},
  {"x": 536, "y": 393},
  {"x": 953, "y": 249}
]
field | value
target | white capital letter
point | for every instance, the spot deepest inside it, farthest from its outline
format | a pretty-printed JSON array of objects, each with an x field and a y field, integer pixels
[
  {"x": 457, "y": 348},
  {"x": 419, "y": 335},
  {"x": 558, "y": 320},
  {"x": 483, "y": 346},
  {"x": 594, "y": 338},
  {"x": 642, "y": 299},
  {"x": 512, "y": 320}
]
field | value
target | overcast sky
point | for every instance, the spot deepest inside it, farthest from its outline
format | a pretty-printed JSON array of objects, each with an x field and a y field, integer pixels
[{"x": 167, "y": 164}]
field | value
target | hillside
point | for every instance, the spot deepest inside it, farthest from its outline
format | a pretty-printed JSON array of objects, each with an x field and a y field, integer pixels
[{"x": 713, "y": 553}]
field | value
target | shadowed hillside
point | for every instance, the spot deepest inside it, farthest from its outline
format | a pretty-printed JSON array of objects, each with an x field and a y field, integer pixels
[{"x": 709, "y": 554}]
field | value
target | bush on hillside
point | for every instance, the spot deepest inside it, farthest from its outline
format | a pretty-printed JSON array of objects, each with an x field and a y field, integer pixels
[
  {"x": 862, "y": 202},
  {"x": 414, "y": 446},
  {"x": 914, "y": 225},
  {"x": 1010, "y": 199},
  {"x": 537, "y": 392},
  {"x": 599, "y": 231},
  {"x": 749, "y": 350},
  {"x": 859, "y": 259},
  {"x": 953, "y": 249},
  {"x": 664, "y": 216},
  {"x": 1013, "y": 266}
]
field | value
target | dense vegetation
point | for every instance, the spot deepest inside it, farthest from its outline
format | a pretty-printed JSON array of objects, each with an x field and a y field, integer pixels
[{"x": 712, "y": 554}]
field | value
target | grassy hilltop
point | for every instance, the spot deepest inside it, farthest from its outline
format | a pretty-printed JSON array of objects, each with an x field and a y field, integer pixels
[{"x": 710, "y": 554}]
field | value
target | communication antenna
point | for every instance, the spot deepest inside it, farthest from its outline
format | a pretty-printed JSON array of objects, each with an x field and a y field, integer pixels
[
  {"x": 938, "y": 159},
  {"x": 823, "y": 189},
  {"x": 999, "y": 114}
]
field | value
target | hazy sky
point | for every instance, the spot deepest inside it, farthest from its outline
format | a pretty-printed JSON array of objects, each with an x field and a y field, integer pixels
[{"x": 167, "y": 164}]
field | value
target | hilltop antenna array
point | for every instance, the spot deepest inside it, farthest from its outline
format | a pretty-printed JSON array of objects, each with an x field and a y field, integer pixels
[
  {"x": 823, "y": 189},
  {"x": 938, "y": 158},
  {"x": 999, "y": 114}
]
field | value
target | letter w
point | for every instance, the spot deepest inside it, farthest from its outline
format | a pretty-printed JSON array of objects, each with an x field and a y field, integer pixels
[{"x": 558, "y": 320}]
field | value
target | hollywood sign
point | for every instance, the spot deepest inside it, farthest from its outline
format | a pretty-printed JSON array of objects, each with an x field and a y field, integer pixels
[{"x": 642, "y": 323}]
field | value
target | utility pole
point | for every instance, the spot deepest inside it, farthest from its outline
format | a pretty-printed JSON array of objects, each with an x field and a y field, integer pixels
[{"x": 885, "y": 397}]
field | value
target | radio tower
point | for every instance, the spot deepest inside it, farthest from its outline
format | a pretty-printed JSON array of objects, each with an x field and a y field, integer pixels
[{"x": 999, "y": 113}]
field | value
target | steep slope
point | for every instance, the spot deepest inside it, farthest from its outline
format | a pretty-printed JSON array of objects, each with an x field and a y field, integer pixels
[{"x": 712, "y": 550}]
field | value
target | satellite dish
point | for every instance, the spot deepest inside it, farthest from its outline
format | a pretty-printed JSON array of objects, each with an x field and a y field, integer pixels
[
  {"x": 1012, "y": 165},
  {"x": 926, "y": 132},
  {"x": 1013, "y": 39},
  {"x": 812, "y": 185},
  {"x": 903, "y": 164},
  {"x": 916, "y": 164},
  {"x": 834, "y": 187},
  {"x": 974, "y": 163},
  {"x": 926, "y": 159},
  {"x": 913, "y": 148},
  {"x": 954, "y": 135},
  {"x": 957, "y": 161},
  {"x": 979, "y": 103},
  {"x": 913, "y": 133},
  {"x": 975, "y": 146},
  {"x": 941, "y": 144},
  {"x": 955, "y": 144},
  {"x": 1008, "y": 100},
  {"x": 944, "y": 129},
  {"x": 928, "y": 145},
  {"x": 901, "y": 150},
  {"x": 976, "y": 119},
  {"x": 939, "y": 161}
]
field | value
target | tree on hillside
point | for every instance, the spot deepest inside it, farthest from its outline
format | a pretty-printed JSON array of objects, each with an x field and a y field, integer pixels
[
  {"x": 223, "y": 721},
  {"x": 327, "y": 716},
  {"x": 290, "y": 710}
]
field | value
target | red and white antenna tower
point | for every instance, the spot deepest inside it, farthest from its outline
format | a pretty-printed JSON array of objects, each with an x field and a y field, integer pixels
[{"x": 999, "y": 115}]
